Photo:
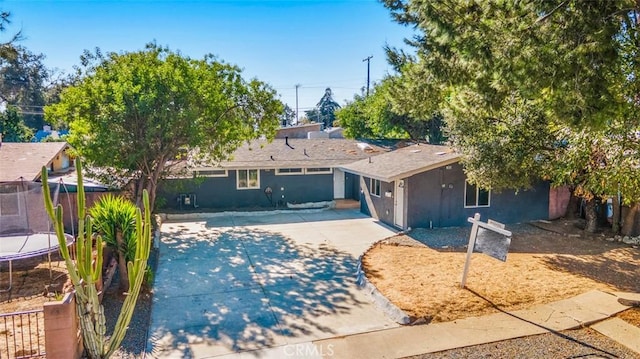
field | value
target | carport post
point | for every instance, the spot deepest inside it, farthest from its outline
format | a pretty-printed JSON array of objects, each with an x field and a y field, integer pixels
[{"x": 472, "y": 243}]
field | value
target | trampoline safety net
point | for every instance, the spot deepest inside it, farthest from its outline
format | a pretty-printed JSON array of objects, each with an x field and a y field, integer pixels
[{"x": 22, "y": 209}]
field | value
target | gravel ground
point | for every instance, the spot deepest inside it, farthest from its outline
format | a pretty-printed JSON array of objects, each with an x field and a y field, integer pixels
[
  {"x": 458, "y": 237},
  {"x": 582, "y": 343},
  {"x": 135, "y": 341}
]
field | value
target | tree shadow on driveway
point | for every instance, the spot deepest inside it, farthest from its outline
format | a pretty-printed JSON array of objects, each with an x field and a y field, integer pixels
[{"x": 239, "y": 289}]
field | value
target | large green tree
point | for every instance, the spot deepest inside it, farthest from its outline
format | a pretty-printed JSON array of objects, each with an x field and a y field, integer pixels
[
  {"x": 521, "y": 83},
  {"x": 139, "y": 114},
  {"x": 12, "y": 127},
  {"x": 383, "y": 115},
  {"x": 24, "y": 81},
  {"x": 558, "y": 53},
  {"x": 325, "y": 109}
]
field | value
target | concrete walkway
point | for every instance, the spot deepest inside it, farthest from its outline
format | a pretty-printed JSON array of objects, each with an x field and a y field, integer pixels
[
  {"x": 234, "y": 284},
  {"x": 399, "y": 342}
]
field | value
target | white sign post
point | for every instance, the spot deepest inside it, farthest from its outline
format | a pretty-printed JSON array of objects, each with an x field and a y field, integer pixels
[{"x": 497, "y": 248}]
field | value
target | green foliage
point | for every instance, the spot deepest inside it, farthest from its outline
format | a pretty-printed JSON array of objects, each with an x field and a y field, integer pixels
[
  {"x": 85, "y": 271},
  {"x": 528, "y": 89},
  {"x": 325, "y": 109},
  {"x": 312, "y": 115},
  {"x": 113, "y": 214},
  {"x": 558, "y": 55},
  {"x": 139, "y": 113},
  {"x": 376, "y": 116},
  {"x": 12, "y": 127},
  {"x": 287, "y": 117},
  {"x": 505, "y": 148},
  {"x": 369, "y": 117},
  {"x": 23, "y": 84},
  {"x": 7, "y": 48},
  {"x": 149, "y": 277}
]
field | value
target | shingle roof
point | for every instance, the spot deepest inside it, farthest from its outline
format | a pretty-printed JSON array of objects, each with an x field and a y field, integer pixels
[
  {"x": 403, "y": 162},
  {"x": 26, "y": 159},
  {"x": 300, "y": 153}
]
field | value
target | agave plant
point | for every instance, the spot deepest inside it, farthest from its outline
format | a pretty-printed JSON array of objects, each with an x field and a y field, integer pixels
[
  {"x": 114, "y": 218},
  {"x": 85, "y": 271}
]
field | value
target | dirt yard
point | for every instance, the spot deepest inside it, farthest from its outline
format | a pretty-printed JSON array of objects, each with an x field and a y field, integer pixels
[
  {"x": 33, "y": 283},
  {"x": 542, "y": 266}
]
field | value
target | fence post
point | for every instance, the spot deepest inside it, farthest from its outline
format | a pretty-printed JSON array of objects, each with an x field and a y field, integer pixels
[{"x": 61, "y": 331}]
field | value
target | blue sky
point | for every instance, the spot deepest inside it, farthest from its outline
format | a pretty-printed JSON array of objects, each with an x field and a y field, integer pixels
[{"x": 316, "y": 44}]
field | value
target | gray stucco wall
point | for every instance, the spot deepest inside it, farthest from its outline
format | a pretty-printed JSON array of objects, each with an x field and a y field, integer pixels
[
  {"x": 221, "y": 192},
  {"x": 436, "y": 199},
  {"x": 431, "y": 203},
  {"x": 380, "y": 208}
]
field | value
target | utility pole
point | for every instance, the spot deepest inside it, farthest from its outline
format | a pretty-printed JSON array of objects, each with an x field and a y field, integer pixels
[
  {"x": 297, "y": 117},
  {"x": 368, "y": 60}
]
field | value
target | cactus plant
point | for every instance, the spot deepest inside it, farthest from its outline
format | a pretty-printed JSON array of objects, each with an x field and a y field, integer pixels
[{"x": 85, "y": 271}]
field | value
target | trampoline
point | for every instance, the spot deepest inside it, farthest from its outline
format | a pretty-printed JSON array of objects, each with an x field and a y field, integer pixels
[
  {"x": 16, "y": 247},
  {"x": 25, "y": 229}
]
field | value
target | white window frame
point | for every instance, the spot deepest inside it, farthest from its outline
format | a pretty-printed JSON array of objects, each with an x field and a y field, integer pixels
[
  {"x": 257, "y": 186},
  {"x": 322, "y": 170},
  {"x": 477, "y": 197},
  {"x": 199, "y": 173},
  {"x": 372, "y": 187},
  {"x": 280, "y": 173}
]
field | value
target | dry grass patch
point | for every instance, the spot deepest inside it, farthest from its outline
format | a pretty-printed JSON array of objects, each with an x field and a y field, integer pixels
[{"x": 425, "y": 283}]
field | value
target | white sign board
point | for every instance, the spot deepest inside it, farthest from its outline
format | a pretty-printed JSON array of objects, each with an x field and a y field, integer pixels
[{"x": 489, "y": 238}]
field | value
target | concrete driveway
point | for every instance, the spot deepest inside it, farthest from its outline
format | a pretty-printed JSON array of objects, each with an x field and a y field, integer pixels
[{"x": 261, "y": 285}]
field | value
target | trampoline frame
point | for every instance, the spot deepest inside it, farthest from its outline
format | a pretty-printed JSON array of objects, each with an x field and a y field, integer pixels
[{"x": 52, "y": 245}]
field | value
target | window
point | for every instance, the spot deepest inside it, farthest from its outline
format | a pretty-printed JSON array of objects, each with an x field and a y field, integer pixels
[
  {"x": 210, "y": 173},
  {"x": 374, "y": 187},
  {"x": 318, "y": 170},
  {"x": 248, "y": 179},
  {"x": 289, "y": 171},
  {"x": 476, "y": 197}
]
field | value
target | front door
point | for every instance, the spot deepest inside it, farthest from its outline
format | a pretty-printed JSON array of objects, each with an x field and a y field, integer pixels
[
  {"x": 348, "y": 185},
  {"x": 338, "y": 184},
  {"x": 398, "y": 204}
]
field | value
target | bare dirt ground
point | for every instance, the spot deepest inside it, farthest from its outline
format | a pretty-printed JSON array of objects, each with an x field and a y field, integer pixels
[
  {"x": 542, "y": 266},
  {"x": 33, "y": 283}
]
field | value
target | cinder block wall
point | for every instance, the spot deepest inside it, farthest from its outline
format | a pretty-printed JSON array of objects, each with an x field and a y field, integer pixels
[{"x": 62, "y": 336}]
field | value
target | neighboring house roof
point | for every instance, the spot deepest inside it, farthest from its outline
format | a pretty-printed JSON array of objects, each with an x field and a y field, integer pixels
[
  {"x": 298, "y": 131},
  {"x": 295, "y": 153},
  {"x": 403, "y": 162},
  {"x": 25, "y": 160},
  {"x": 41, "y": 135}
]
